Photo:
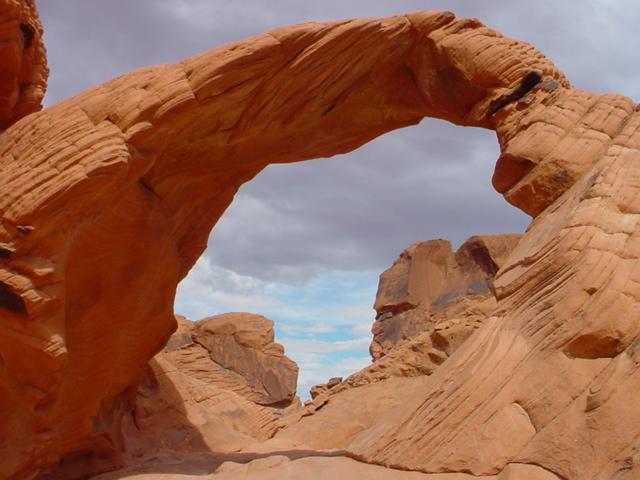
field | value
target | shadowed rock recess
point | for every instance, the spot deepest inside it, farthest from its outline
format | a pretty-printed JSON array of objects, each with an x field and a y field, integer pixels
[{"x": 108, "y": 199}]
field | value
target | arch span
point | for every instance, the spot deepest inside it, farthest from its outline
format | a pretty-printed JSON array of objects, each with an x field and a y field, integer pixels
[{"x": 109, "y": 198}]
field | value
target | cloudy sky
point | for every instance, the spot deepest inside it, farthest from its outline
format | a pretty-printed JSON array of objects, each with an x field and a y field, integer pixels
[{"x": 304, "y": 244}]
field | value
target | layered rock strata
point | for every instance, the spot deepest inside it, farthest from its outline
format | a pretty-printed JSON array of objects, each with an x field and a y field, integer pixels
[
  {"x": 245, "y": 357},
  {"x": 131, "y": 176},
  {"x": 207, "y": 390},
  {"x": 23, "y": 78},
  {"x": 429, "y": 302},
  {"x": 429, "y": 283}
]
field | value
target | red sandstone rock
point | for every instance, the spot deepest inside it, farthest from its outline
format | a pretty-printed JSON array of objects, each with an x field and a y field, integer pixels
[
  {"x": 189, "y": 401},
  {"x": 248, "y": 359},
  {"x": 429, "y": 283},
  {"x": 23, "y": 59},
  {"x": 429, "y": 302},
  {"x": 131, "y": 176},
  {"x": 324, "y": 387}
]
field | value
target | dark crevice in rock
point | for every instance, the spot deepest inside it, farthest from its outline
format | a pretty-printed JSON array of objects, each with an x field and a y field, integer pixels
[
  {"x": 29, "y": 33},
  {"x": 11, "y": 301},
  {"x": 481, "y": 255},
  {"x": 591, "y": 346},
  {"x": 528, "y": 82},
  {"x": 5, "y": 252},
  {"x": 25, "y": 229},
  {"x": 394, "y": 310}
]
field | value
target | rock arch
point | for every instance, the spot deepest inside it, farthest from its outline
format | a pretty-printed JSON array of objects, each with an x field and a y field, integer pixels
[{"x": 109, "y": 197}]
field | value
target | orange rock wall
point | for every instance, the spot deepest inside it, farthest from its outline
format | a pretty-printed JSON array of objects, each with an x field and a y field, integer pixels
[
  {"x": 24, "y": 72},
  {"x": 109, "y": 198},
  {"x": 429, "y": 283}
]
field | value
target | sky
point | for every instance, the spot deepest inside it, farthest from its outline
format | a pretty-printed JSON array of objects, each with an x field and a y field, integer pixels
[{"x": 303, "y": 244}]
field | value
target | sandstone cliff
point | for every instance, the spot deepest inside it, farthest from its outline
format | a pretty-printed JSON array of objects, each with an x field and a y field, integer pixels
[
  {"x": 429, "y": 302},
  {"x": 23, "y": 58},
  {"x": 131, "y": 176},
  {"x": 429, "y": 284}
]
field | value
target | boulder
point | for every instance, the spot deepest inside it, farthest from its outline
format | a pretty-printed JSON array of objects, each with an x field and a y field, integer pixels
[
  {"x": 192, "y": 398},
  {"x": 247, "y": 359}
]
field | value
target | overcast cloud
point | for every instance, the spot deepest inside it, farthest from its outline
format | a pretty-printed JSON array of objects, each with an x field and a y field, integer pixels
[{"x": 299, "y": 235}]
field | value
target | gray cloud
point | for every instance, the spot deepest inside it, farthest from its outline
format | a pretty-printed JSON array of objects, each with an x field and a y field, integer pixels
[{"x": 354, "y": 213}]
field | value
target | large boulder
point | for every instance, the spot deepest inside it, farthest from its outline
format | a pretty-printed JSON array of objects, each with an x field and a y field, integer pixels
[
  {"x": 221, "y": 384},
  {"x": 246, "y": 358}
]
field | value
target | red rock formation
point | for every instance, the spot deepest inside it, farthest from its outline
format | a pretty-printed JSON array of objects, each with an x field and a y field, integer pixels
[
  {"x": 429, "y": 302},
  {"x": 203, "y": 391},
  {"x": 130, "y": 177},
  {"x": 23, "y": 58},
  {"x": 547, "y": 379},
  {"x": 246, "y": 358},
  {"x": 324, "y": 387},
  {"x": 429, "y": 284}
]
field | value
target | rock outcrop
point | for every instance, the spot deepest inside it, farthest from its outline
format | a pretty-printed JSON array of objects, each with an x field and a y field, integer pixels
[
  {"x": 130, "y": 177},
  {"x": 245, "y": 357},
  {"x": 430, "y": 284},
  {"x": 429, "y": 302},
  {"x": 206, "y": 390},
  {"x": 546, "y": 380},
  {"x": 23, "y": 78}
]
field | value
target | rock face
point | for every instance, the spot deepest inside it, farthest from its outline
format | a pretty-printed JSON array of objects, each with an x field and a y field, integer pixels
[
  {"x": 428, "y": 303},
  {"x": 545, "y": 380},
  {"x": 247, "y": 358},
  {"x": 203, "y": 391},
  {"x": 23, "y": 58},
  {"x": 131, "y": 176},
  {"x": 429, "y": 284}
]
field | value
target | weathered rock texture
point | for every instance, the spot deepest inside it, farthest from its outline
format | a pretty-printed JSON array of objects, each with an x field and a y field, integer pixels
[
  {"x": 430, "y": 283},
  {"x": 246, "y": 358},
  {"x": 131, "y": 176},
  {"x": 23, "y": 61},
  {"x": 428, "y": 303},
  {"x": 203, "y": 391}
]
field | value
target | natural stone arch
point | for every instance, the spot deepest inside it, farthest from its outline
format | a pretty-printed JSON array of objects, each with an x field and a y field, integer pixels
[{"x": 109, "y": 197}]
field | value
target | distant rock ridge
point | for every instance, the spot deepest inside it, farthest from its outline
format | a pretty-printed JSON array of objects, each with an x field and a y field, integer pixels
[
  {"x": 430, "y": 283},
  {"x": 428, "y": 303}
]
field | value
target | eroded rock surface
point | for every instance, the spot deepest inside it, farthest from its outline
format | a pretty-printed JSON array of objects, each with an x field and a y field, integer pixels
[
  {"x": 246, "y": 357},
  {"x": 546, "y": 377},
  {"x": 24, "y": 73},
  {"x": 131, "y": 176},
  {"x": 204, "y": 391},
  {"x": 429, "y": 302},
  {"x": 429, "y": 284}
]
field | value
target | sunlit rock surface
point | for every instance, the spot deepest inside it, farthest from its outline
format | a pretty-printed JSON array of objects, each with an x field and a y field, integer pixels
[
  {"x": 429, "y": 284},
  {"x": 108, "y": 199},
  {"x": 23, "y": 61},
  {"x": 220, "y": 384}
]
